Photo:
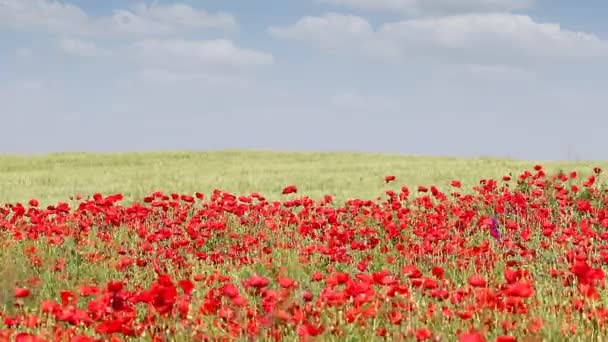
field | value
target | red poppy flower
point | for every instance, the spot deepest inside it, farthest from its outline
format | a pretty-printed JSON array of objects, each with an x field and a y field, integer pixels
[
  {"x": 290, "y": 189},
  {"x": 256, "y": 281},
  {"x": 477, "y": 281},
  {"x": 22, "y": 292},
  {"x": 423, "y": 334},
  {"x": 504, "y": 338},
  {"x": 472, "y": 336}
]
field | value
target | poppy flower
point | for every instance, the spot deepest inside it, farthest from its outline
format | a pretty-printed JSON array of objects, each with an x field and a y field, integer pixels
[
  {"x": 504, "y": 338},
  {"x": 307, "y": 329},
  {"x": 389, "y": 179},
  {"x": 186, "y": 285},
  {"x": 477, "y": 281},
  {"x": 290, "y": 189},
  {"x": 256, "y": 281},
  {"x": 520, "y": 289},
  {"x": 22, "y": 292},
  {"x": 456, "y": 183},
  {"x": 472, "y": 336},
  {"x": 423, "y": 334}
]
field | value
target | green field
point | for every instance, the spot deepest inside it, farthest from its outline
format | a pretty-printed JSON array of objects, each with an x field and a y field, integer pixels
[
  {"x": 53, "y": 256},
  {"x": 55, "y": 177}
]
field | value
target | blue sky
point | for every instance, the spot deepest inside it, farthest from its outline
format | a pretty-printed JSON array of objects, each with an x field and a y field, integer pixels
[{"x": 507, "y": 78}]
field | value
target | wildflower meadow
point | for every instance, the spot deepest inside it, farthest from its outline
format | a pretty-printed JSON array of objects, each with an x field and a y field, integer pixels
[{"x": 520, "y": 257}]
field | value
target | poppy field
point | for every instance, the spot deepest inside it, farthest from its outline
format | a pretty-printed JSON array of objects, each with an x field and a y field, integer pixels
[{"x": 520, "y": 257}]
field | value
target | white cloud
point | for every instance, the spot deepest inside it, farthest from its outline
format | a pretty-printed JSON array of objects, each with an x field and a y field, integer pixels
[
  {"x": 41, "y": 15},
  {"x": 417, "y": 7},
  {"x": 328, "y": 31},
  {"x": 125, "y": 22},
  {"x": 62, "y": 17},
  {"x": 81, "y": 48},
  {"x": 334, "y": 32},
  {"x": 180, "y": 15},
  {"x": 510, "y": 33},
  {"x": 173, "y": 57},
  {"x": 493, "y": 38}
]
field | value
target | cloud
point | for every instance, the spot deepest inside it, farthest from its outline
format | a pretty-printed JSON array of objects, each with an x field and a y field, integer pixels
[
  {"x": 81, "y": 48},
  {"x": 175, "y": 60},
  {"x": 148, "y": 37},
  {"x": 170, "y": 58},
  {"x": 180, "y": 15},
  {"x": 329, "y": 31},
  {"x": 41, "y": 15},
  {"x": 491, "y": 38},
  {"x": 65, "y": 18},
  {"x": 418, "y": 7},
  {"x": 492, "y": 34},
  {"x": 335, "y": 32}
]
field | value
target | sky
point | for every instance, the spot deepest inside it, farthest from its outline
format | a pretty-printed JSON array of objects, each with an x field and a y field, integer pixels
[{"x": 524, "y": 79}]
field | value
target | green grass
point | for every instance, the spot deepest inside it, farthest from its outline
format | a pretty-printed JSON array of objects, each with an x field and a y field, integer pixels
[{"x": 55, "y": 177}]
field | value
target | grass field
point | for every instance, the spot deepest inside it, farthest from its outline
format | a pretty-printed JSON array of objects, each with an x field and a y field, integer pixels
[
  {"x": 513, "y": 260},
  {"x": 55, "y": 177}
]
